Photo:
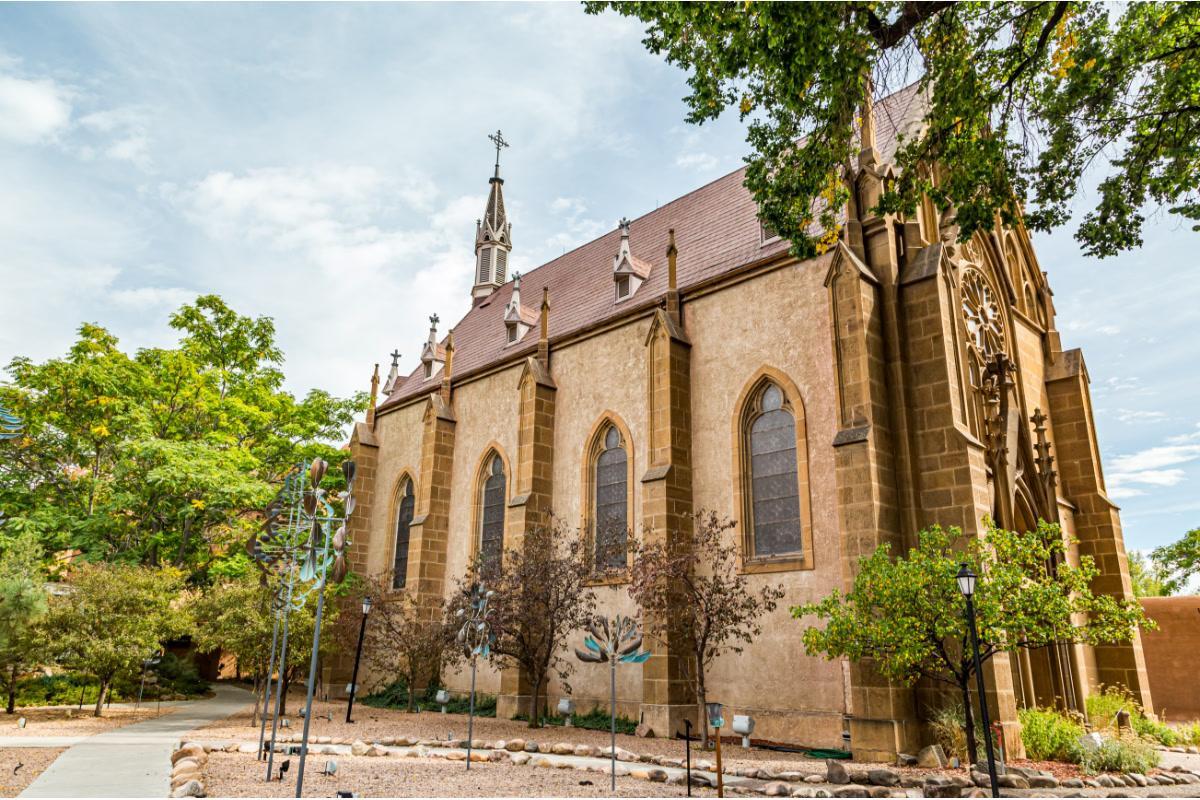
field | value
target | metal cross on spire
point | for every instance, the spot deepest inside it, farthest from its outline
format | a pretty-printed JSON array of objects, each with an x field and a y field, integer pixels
[
  {"x": 498, "y": 140},
  {"x": 395, "y": 354},
  {"x": 434, "y": 320}
]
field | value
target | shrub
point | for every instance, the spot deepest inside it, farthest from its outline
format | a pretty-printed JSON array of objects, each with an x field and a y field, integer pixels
[
  {"x": 1158, "y": 731},
  {"x": 595, "y": 720},
  {"x": 1049, "y": 735},
  {"x": 948, "y": 725},
  {"x": 1124, "y": 754},
  {"x": 395, "y": 695},
  {"x": 1103, "y": 709},
  {"x": 62, "y": 689},
  {"x": 1189, "y": 733}
]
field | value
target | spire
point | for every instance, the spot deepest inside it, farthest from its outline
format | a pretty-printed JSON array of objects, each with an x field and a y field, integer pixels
[
  {"x": 868, "y": 156},
  {"x": 543, "y": 347},
  {"x": 431, "y": 358},
  {"x": 672, "y": 277},
  {"x": 449, "y": 366},
  {"x": 374, "y": 396},
  {"x": 628, "y": 270},
  {"x": 493, "y": 234}
]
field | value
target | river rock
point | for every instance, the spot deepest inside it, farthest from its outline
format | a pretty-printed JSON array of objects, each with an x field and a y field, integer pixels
[
  {"x": 851, "y": 790},
  {"x": 1042, "y": 781},
  {"x": 585, "y": 750},
  {"x": 562, "y": 749},
  {"x": 359, "y": 748},
  {"x": 836, "y": 772},
  {"x": 520, "y": 758},
  {"x": 189, "y": 789},
  {"x": 777, "y": 789},
  {"x": 884, "y": 777},
  {"x": 657, "y": 776}
]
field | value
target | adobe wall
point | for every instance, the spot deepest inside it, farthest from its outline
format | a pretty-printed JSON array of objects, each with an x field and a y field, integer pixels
[{"x": 1171, "y": 655}]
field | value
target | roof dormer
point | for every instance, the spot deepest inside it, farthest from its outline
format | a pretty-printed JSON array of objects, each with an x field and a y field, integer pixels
[
  {"x": 628, "y": 270},
  {"x": 433, "y": 355},
  {"x": 517, "y": 318}
]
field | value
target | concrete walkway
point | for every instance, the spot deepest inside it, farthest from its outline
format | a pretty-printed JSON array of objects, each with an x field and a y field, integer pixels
[{"x": 133, "y": 761}]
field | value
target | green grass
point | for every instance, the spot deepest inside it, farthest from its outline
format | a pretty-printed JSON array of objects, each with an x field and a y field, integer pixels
[{"x": 1103, "y": 708}]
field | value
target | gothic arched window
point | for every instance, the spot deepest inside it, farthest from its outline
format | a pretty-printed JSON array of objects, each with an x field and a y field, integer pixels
[
  {"x": 491, "y": 517},
  {"x": 404, "y": 517},
  {"x": 610, "y": 500},
  {"x": 771, "y": 475}
]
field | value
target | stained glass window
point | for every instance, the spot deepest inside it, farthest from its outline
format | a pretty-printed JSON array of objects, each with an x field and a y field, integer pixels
[
  {"x": 491, "y": 525},
  {"x": 404, "y": 518},
  {"x": 611, "y": 502},
  {"x": 774, "y": 482}
]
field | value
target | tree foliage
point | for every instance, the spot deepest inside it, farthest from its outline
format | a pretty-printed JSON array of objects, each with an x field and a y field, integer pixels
[
  {"x": 1179, "y": 561},
  {"x": 22, "y": 606},
  {"x": 1025, "y": 96},
  {"x": 1148, "y": 577},
  {"x": 112, "y": 616},
  {"x": 694, "y": 593},
  {"x": 166, "y": 455},
  {"x": 541, "y": 598},
  {"x": 907, "y": 615}
]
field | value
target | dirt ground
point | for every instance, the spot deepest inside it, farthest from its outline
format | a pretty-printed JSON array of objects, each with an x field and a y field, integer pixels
[
  {"x": 240, "y": 775},
  {"x": 72, "y": 722},
  {"x": 371, "y": 724},
  {"x": 20, "y": 765}
]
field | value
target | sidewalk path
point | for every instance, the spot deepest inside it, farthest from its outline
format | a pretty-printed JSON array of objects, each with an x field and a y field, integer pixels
[{"x": 133, "y": 761}]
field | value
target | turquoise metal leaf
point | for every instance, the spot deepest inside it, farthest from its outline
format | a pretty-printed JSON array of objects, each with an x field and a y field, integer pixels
[
  {"x": 591, "y": 644},
  {"x": 635, "y": 658}
]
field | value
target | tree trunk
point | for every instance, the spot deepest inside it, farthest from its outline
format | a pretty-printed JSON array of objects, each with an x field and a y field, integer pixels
[
  {"x": 101, "y": 696},
  {"x": 12, "y": 691},
  {"x": 183, "y": 541},
  {"x": 534, "y": 707},
  {"x": 412, "y": 691},
  {"x": 968, "y": 722},
  {"x": 258, "y": 699},
  {"x": 701, "y": 697},
  {"x": 287, "y": 682}
]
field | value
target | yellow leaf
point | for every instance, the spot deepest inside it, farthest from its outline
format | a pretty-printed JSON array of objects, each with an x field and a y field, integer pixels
[{"x": 198, "y": 505}]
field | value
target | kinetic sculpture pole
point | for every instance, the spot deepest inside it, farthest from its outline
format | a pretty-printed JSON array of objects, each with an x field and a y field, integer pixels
[
  {"x": 619, "y": 641},
  {"x": 475, "y": 637},
  {"x": 303, "y": 550}
]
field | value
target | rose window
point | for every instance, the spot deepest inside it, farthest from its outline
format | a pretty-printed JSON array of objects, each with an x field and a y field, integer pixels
[{"x": 982, "y": 314}]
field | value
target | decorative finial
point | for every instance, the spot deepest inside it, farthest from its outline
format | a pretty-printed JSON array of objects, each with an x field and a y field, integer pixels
[
  {"x": 434, "y": 320},
  {"x": 498, "y": 140},
  {"x": 624, "y": 226},
  {"x": 672, "y": 255},
  {"x": 395, "y": 354},
  {"x": 516, "y": 281}
]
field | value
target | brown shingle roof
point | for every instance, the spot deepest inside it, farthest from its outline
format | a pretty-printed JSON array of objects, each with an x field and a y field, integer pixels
[{"x": 716, "y": 230}]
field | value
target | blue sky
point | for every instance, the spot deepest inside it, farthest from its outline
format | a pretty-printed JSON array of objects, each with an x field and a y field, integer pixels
[{"x": 325, "y": 164}]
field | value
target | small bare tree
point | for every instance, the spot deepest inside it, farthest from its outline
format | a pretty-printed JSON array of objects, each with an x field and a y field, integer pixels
[
  {"x": 402, "y": 637},
  {"x": 693, "y": 592},
  {"x": 541, "y": 598}
]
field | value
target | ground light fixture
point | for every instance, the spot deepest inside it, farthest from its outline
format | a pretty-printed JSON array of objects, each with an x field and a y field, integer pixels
[
  {"x": 716, "y": 719},
  {"x": 566, "y": 710},
  {"x": 966, "y": 585},
  {"x": 362, "y": 629},
  {"x": 442, "y": 698},
  {"x": 743, "y": 725}
]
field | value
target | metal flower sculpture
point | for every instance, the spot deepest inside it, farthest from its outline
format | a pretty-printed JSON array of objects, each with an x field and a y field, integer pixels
[
  {"x": 620, "y": 641},
  {"x": 11, "y": 426},
  {"x": 475, "y": 637},
  {"x": 302, "y": 545}
]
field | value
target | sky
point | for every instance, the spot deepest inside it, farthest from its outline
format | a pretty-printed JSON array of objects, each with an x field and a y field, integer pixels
[{"x": 324, "y": 165}]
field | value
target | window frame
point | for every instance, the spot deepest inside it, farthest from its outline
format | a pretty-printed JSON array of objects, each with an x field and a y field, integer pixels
[
  {"x": 746, "y": 412},
  {"x": 593, "y": 449},
  {"x": 406, "y": 480}
]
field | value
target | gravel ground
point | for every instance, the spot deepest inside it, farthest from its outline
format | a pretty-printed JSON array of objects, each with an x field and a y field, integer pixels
[
  {"x": 33, "y": 761},
  {"x": 374, "y": 723},
  {"x": 240, "y": 775},
  {"x": 70, "y": 722}
]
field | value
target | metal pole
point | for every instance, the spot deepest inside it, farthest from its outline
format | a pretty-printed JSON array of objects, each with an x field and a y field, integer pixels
[
  {"x": 983, "y": 707},
  {"x": 142, "y": 687},
  {"x": 312, "y": 664},
  {"x": 687, "y": 753},
  {"x": 287, "y": 608},
  {"x": 82, "y": 689},
  {"x": 262, "y": 723},
  {"x": 362, "y": 629},
  {"x": 471, "y": 713},
  {"x": 612, "y": 701}
]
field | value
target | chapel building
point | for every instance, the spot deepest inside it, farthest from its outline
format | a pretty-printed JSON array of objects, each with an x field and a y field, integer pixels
[{"x": 686, "y": 361}]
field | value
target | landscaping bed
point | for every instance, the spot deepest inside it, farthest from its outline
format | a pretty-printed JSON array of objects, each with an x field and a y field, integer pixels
[{"x": 20, "y": 766}]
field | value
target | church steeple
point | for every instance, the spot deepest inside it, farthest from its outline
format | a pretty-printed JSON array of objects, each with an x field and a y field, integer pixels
[{"x": 493, "y": 235}]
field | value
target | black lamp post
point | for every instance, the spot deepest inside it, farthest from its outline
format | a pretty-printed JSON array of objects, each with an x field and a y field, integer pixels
[
  {"x": 362, "y": 629},
  {"x": 966, "y": 584}
]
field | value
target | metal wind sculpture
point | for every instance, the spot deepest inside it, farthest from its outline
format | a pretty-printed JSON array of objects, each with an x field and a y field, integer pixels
[
  {"x": 11, "y": 425},
  {"x": 621, "y": 641},
  {"x": 302, "y": 540},
  {"x": 475, "y": 637}
]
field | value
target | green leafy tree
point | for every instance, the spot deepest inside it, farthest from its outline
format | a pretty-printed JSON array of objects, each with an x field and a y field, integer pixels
[
  {"x": 1024, "y": 97},
  {"x": 22, "y": 606},
  {"x": 110, "y": 617},
  {"x": 1148, "y": 576},
  {"x": 1179, "y": 561},
  {"x": 234, "y": 617},
  {"x": 164, "y": 456},
  {"x": 907, "y": 615}
]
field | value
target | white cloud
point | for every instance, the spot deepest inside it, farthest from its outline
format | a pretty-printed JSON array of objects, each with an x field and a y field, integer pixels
[
  {"x": 1132, "y": 417},
  {"x": 699, "y": 162},
  {"x": 32, "y": 110},
  {"x": 1082, "y": 324},
  {"x": 1160, "y": 466},
  {"x": 150, "y": 297},
  {"x": 574, "y": 226}
]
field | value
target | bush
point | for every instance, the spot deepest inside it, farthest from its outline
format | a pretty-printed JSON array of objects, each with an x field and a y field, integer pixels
[
  {"x": 597, "y": 719},
  {"x": 1103, "y": 709},
  {"x": 178, "y": 676},
  {"x": 62, "y": 689},
  {"x": 395, "y": 695},
  {"x": 1189, "y": 733},
  {"x": 949, "y": 724},
  {"x": 1049, "y": 735},
  {"x": 1125, "y": 754}
]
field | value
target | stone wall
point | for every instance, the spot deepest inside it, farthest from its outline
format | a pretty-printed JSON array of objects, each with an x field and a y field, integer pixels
[{"x": 1171, "y": 656}]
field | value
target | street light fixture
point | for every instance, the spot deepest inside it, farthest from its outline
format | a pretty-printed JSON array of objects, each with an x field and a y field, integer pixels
[
  {"x": 966, "y": 584},
  {"x": 716, "y": 719},
  {"x": 362, "y": 629}
]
